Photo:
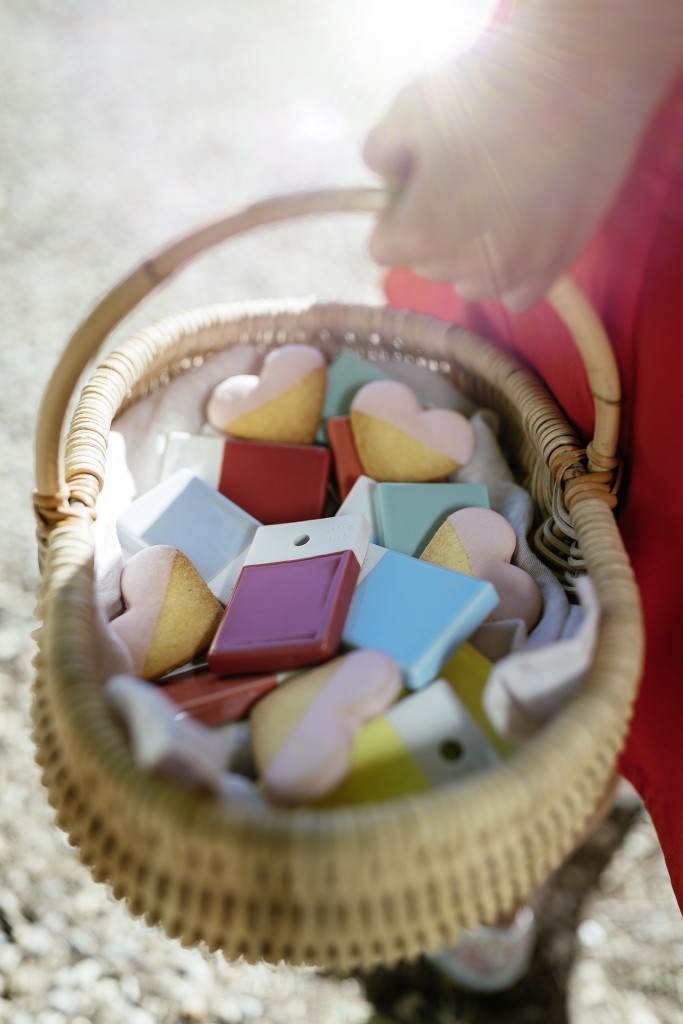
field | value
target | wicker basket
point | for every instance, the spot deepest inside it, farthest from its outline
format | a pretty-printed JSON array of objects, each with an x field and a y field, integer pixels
[{"x": 354, "y": 886}]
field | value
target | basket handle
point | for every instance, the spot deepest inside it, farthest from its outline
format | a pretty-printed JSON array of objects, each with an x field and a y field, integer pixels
[{"x": 52, "y": 495}]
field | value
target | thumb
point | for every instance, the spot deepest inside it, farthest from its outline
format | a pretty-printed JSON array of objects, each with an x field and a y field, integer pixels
[{"x": 390, "y": 147}]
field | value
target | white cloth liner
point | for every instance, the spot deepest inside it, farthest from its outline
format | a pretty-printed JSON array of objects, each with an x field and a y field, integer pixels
[
  {"x": 180, "y": 746},
  {"x": 515, "y": 694},
  {"x": 488, "y": 466},
  {"x": 525, "y": 689}
]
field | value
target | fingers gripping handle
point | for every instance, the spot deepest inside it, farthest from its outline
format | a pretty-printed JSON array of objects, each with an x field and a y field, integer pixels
[{"x": 51, "y": 498}]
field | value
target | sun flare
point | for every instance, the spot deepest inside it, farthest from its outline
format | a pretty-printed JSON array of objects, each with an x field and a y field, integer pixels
[{"x": 417, "y": 35}]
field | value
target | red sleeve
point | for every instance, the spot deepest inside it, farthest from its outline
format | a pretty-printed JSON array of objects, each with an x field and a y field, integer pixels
[{"x": 633, "y": 272}]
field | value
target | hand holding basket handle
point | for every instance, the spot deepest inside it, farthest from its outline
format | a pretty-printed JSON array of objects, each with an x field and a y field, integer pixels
[{"x": 510, "y": 156}]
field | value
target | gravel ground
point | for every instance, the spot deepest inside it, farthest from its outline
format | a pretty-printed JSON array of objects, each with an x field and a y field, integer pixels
[{"x": 122, "y": 125}]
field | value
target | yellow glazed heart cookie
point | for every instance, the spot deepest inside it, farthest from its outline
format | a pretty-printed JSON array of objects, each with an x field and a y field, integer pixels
[
  {"x": 303, "y": 732},
  {"x": 171, "y": 615},
  {"x": 283, "y": 404},
  {"x": 479, "y": 542},
  {"x": 397, "y": 441}
]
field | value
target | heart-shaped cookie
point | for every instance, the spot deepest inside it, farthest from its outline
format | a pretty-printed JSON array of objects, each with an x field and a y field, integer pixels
[
  {"x": 398, "y": 441},
  {"x": 479, "y": 542},
  {"x": 282, "y": 404},
  {"x": 171, "y": 615},
  {"x": 422, "y": 741},
  {"x": 303, "y": 732}
]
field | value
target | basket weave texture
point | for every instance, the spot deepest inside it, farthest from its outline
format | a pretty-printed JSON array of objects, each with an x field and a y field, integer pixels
[{"x": 354, "y": 886}]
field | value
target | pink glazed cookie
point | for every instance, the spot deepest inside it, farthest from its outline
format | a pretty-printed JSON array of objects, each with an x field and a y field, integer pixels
[
  {"x": 283, "y": 404},
  {"x": 303, "y": 732},
  {"x": 398, "y": 441},
  {"x": 479, "y": 542},
  {"x": 171, "y": 615}
]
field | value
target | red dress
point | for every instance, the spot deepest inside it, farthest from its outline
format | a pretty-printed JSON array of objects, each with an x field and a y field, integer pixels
[{"x": 633, "y": 273}]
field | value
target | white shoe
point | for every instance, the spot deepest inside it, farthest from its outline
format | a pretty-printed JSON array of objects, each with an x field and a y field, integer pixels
[{"x": 490, "y": 959}]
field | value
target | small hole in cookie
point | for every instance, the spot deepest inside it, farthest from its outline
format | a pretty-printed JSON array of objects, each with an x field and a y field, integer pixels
[
  {"x": 303, "y": 538},
  {"x": 451, "y": 750}
]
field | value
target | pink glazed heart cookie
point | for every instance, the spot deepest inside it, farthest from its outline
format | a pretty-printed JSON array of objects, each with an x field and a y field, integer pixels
[
  {"x": 399, "y": 442},
  {"x": 303, "y": 732},
  {"x": 171, "y": 615},
  {"x": 283, "y": 404},
  {"x": 479, "y": 542}
]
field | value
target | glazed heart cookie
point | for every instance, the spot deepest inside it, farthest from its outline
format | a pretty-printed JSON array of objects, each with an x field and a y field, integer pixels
[
  {"x": 478, "y": 542},
  {"x": 303, "y": 732},
  {"x": 171, "y": 615},
  {"x": 283, "y": 404},
  {"x": 399, "y": 442}
]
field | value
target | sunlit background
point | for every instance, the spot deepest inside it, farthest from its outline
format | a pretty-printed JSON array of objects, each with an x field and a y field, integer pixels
[{"x": 384, "y": 44}]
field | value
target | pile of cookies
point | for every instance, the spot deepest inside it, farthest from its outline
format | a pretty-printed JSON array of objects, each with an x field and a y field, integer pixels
[{"x": 301, "y": 588}]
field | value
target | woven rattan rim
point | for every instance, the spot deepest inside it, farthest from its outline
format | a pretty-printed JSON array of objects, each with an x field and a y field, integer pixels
[{"x": 347, "y": 887}]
